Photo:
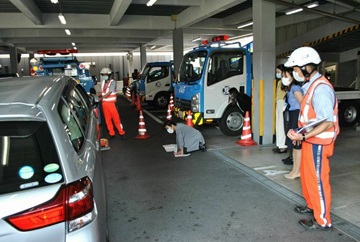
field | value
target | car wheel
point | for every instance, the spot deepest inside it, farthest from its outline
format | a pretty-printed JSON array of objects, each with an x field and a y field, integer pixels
[
  {"x": 232, "y": 121},
  {"x": 348, "y": 113},
  {"x": 161, "y": 100}
]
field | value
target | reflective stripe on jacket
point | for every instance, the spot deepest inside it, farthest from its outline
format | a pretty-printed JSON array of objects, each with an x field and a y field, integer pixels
[
  {"x": 307, "y": 114},
  {"x": 105, "y": 88}
]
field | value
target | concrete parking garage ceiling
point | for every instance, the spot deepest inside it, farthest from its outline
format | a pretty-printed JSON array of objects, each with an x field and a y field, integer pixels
[{"x": 125, "y": 25}]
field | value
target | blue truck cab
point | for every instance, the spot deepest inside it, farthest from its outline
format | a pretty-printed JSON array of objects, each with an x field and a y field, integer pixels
[
  {"x": 206, "y": 74},
  {"x": 155, "y": 83},
  {"x": 64, "y": 65}
]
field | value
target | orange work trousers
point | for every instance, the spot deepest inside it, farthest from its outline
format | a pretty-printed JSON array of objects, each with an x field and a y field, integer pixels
[
  {"x": 112, "y": 118},
  {"x": 315, "y": 180}
]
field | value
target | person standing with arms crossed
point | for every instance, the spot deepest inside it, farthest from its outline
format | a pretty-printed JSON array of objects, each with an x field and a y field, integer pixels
[
  {"x": 319, "y": 102},
  {"x": 108, "y": 98},
  {"x": 279, "y": 117}
]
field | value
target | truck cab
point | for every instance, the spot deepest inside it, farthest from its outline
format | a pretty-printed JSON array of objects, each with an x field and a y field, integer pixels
[
  {"x": 64, "y": 65},
  {"x": 155, "y": 83},
  {"x": 206, "y": 74}
]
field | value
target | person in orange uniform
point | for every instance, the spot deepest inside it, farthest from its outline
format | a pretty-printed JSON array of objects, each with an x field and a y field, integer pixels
[
  {"x": 108, "y": 98},
  {"x": 319, "y": 102}
]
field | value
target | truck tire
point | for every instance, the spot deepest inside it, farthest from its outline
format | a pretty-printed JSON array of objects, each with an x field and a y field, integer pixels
[
  {"x": 348, "y": 113},
  {"x": 161, "y": 100},
  {"x": 232, "y": 121}
]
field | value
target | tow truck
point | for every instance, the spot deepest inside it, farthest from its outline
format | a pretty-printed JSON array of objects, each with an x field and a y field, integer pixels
[
  {"x": 63, "y": 65},
  {"x": 155, "y": 83},
  {"x": 206, "y": 74}
]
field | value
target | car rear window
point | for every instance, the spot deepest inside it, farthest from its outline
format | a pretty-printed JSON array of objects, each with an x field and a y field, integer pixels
[{"x": 28, "y": 157}]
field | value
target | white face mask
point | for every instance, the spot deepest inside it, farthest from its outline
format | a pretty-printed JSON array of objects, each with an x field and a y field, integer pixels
[
  {"x": 285, "y": 81},
  {"x": 297, "y": 77},
  {"x": 170, "y": 130},
  {"x": 278, "y": 75},
  {"x": 104, "y": 78}
]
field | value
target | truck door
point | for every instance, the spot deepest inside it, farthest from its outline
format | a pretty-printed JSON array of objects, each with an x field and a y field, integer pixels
[
  {"x": 226, "y": 69},
  {"x": 158, "y": 80}
]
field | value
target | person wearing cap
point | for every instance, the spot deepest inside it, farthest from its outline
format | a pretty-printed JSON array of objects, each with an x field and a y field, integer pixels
[
  {"x": 108, "y": 98},
  {"x": 319, "y": 102}
]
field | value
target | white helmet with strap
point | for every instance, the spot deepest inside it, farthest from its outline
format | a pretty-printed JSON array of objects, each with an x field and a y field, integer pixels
[
  {"x": 105, "y": 71},
  {"x": 303, "y": 56}
]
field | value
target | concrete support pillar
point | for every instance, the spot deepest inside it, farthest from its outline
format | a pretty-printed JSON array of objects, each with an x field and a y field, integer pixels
[
  {"x": 13, "y": 60},
  {"x": 142, "y": 56},
  {"x": 264, "y": 70},
  {"x": 178, "y": 43}
]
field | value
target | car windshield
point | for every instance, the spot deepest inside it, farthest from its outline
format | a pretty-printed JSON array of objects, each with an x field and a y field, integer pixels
[
  {"x": 28, "y": 156},
  {"x": 192, "y": 66}
]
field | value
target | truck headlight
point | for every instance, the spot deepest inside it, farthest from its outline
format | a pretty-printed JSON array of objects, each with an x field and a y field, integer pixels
[{"x": 195, "y": 103}]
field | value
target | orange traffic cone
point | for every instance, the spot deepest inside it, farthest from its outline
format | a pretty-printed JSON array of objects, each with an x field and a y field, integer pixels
[
  {"x": 189, "y": 119},
  {"x": 127, "y": 93},
  {"x": 138, "y": 103},
  {"x": 169, "y": 115},
  {"x": 246, "y": 139},
  {"x": 132, "y": 99},
  {"x": 142, "y": 129},
  {"x": 172, "y": 107}
]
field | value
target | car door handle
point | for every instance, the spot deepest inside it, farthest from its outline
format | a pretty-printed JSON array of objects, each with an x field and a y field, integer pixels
[{"x": 167, "y": 85}]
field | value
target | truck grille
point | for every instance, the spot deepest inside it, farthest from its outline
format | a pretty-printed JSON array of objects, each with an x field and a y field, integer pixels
[{"x": 183, "y": 104}]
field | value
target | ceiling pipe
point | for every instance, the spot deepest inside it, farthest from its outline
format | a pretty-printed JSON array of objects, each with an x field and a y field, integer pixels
[{"x": 311, "y": 10}]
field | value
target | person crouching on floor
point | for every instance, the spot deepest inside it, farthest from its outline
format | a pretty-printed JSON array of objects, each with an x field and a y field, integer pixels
[{"x": 188, "y": 139}]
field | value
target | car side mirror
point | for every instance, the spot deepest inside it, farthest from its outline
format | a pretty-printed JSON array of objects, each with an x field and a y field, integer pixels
[{"x": 94, "y": 100}]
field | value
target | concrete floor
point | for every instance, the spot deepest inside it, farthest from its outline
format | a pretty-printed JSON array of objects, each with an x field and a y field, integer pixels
[{"x": 229, "y": 193}]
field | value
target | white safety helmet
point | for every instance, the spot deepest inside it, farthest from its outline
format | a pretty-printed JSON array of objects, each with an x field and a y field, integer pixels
[
  {"x": 303, "y": 56},
  {"x": 105, "y": 71}
]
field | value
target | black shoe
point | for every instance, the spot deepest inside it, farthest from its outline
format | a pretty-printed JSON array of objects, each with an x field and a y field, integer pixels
[
  {"x": 280, "y": 151},
  {"x": 111, "y": 137},
  {"x": 312, "y": 224},
  {"x": 275, "y": 149},
  {"x": 123, "y": 137},
  {"x": 289, "y": 161},
  {"x": 303, "y": 210},
  {"x": 202, "y": 147}
]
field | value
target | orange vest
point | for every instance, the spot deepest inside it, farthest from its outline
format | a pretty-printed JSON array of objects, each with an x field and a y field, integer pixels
[
  {"x": 307, "y": 114},
  {"x": 105, "y": 88}
]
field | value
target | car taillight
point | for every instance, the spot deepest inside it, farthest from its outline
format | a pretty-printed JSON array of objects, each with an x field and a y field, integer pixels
[{"x": 73, "y": 203}]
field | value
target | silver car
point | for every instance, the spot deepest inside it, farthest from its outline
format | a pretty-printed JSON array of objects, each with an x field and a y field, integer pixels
[{"x": 51, "y": 179}]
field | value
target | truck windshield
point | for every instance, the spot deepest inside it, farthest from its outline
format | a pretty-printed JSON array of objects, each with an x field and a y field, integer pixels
[
  {"x": 144, "y": 72},
  {"x": 192, "y": 66}
]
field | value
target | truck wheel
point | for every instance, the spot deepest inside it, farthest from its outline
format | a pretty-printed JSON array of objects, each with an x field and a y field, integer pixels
[
  {"x": 232, "y": 122},
  {"x": 348, "y": 113},
  {"x": 161, "y": 100}
]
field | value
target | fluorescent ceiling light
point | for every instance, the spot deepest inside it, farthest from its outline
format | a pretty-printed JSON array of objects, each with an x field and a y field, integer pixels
[
  {"x": 54, "y": 1},
  {"x": 62, "y": 18},
  {"x": 196, "y": 39},
  {"x": 75, "y": 48},
  {"x": 150, "y": 3},
  {"x": 73, "y": 44},
  {"x": 312, "y": 5},
  {"x": 153, "y": 47},
  {"x": 292, "y": 11},
  {"x": 67, "y": 32},
  {"x": 245, "y": 25}
]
